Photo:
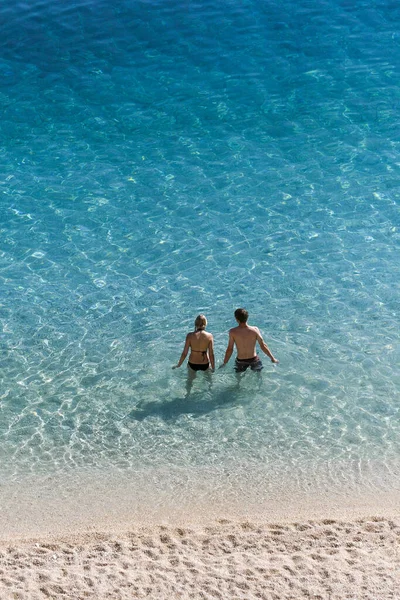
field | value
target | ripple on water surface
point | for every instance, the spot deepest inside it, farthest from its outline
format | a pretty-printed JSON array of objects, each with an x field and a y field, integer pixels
[{"x": 159, "y": 160}]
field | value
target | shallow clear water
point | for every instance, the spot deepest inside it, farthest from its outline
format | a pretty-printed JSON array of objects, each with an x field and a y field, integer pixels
[{"x": 161, "y": 159}]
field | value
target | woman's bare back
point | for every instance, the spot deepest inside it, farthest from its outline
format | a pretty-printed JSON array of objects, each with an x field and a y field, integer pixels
[{"x": 199, "y": 344}]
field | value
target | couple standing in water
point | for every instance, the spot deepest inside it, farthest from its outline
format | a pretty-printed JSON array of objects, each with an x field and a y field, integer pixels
[{"x": 244, "y": 337}]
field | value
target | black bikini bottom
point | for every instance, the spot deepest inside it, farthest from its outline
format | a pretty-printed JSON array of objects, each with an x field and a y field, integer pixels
[{"x": 202, "y": 367}]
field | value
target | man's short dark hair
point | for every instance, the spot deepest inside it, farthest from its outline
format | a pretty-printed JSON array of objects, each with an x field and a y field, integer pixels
[{"x": 241, "y": 315}]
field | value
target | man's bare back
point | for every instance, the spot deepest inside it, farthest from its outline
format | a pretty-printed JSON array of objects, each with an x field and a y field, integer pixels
[{"x": 245, "y": 338}]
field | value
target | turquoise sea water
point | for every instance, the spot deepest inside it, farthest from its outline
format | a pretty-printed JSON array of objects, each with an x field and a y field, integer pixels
[{"x": 161, "y": 159}]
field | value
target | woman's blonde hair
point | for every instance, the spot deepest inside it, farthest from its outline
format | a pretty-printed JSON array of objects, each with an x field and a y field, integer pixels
[{"x": 200, "y": 322}]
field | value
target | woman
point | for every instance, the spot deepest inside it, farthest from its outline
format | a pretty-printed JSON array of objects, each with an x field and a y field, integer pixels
[{"x": 201, "y": 345}]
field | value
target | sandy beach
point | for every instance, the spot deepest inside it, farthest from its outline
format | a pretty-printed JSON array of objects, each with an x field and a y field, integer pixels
[
  {"x": 326, "y": 559},
  {"x": 109, "y": 541}
]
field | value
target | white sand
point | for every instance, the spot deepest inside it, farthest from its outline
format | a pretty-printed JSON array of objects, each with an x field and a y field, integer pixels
[
  {"x": 327, "y": 559},
  {"x": 140, "y": 539}
]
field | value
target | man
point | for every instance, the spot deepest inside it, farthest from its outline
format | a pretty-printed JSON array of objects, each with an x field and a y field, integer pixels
[{"x": 245, "y": 337}]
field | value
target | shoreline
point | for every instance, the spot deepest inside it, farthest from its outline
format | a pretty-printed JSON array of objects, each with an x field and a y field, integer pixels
[
  {"x": 118, "y": 539},
  {"x": 111, "y": 503}
]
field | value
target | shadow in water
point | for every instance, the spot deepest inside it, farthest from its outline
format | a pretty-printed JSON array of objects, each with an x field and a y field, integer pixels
[{"x": 196, "y": 405}]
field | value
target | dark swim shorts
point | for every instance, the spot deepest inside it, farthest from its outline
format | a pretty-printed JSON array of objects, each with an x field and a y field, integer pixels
[{"x": 242, "y": 364}]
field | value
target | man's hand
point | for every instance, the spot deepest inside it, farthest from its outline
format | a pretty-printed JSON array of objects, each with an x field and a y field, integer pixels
[
  {"x": 274, "y": 360},
  {"x": 175, "y": 367}
]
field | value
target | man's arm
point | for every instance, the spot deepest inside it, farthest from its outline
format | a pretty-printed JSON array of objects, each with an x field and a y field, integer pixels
[
  {"x": 184, "y": 353},
  {"x": 264, "y": 347},
  {"x": 229, "y": 350}
]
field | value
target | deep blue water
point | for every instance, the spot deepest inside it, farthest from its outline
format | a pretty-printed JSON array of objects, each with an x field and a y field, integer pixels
[{"x": 161, "y": 159}]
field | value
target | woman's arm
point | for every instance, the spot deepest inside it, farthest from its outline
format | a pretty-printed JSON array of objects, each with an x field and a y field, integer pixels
[
  {"x": 211, "y": 353},
  {"x": 184, "y": 353}
]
